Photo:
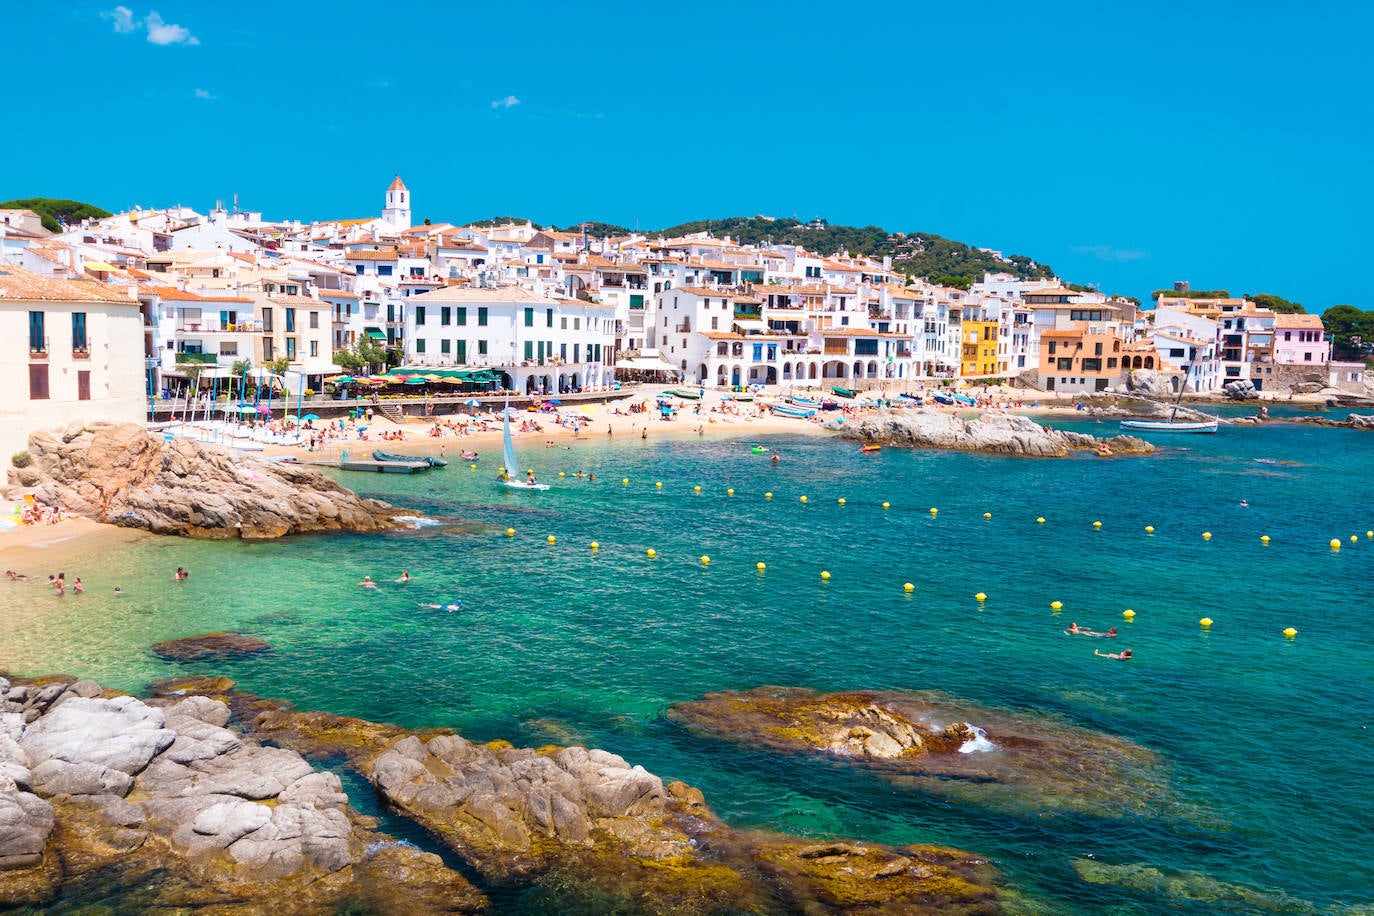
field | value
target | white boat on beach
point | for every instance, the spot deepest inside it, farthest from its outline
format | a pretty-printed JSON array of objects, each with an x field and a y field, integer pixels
[{"x": 1149, "y": 425}]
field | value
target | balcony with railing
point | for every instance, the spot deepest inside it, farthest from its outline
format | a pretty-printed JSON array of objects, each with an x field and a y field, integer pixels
[{"x": 215, "y": 327}]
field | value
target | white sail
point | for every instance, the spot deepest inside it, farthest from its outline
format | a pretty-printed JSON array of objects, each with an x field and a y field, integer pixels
[{"x": 512, "y": 468}]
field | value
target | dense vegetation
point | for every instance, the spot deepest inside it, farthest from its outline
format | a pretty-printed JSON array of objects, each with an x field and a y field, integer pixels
[
  {"x": 1351, "y": 331},
  {"x": 56, "y": 214},
  {"x": 914, "y": 254},
  {"x": 1276, "y": 303},
  {"x": 1192, "y": 294}
]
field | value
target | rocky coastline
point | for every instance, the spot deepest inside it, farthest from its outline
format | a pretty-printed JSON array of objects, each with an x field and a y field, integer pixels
[
  {"x": 121, "y": 474},
  {"x": 201, "y": 796},
  {"x": 990, "y": 433}
]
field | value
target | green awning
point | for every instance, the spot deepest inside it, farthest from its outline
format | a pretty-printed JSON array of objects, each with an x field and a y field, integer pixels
[{"x": 375, "y": 333}]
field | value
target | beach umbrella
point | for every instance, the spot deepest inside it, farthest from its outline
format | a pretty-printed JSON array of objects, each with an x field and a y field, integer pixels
[
  {"x": 310, "y": 416},
  {"x": 264, "y": 409},
  {"x": 247, "y": 408},
  {"x": 415, "y": 380},
  {"x": 472, "y": 402},
  {"x": 433, "y": 378},
  {"x": 341, "y": 380},
  {"x": 553, "y": 401}
]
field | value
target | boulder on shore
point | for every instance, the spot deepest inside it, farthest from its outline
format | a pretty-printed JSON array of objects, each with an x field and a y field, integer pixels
[
  {"x": 992, "y": 432},
  {"x": 123, "y": 475}
]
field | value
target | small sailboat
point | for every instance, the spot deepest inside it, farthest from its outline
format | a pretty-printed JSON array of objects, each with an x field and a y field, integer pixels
[
  {"x": 1172, "y": 424},
  {"x": 510, "y": 474}
]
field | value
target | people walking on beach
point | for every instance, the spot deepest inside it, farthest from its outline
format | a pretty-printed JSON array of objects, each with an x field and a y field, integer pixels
[{"x": 1123, "y": 655}]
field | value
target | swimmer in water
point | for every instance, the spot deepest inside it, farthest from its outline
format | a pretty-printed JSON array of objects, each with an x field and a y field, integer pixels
[
  {"x": 1245, "y": 503},
  {"x": 367, "y": 582},
  {"x": 1123, "y": 655},
  {"x": 405, "y": 576},
  {"x": 118, "y": 592}
]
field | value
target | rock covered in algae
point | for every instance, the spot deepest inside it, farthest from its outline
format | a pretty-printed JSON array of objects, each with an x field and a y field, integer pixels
[
  {"x": 162, "y": 806},
  {"x": 936, "y": 743},
  {"x": 1176, "y": 889},
  {"x": 211, "y": 647},
  {"x": 992, "y": 432}
]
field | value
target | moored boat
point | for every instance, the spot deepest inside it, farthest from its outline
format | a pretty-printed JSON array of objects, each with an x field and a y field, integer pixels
[
  {"x": 1151, "y": 425},
  {"x": 870, "y": 449},
  {"x": 792, "y": 410},
  {"x": 393, "y": 456},
  {"x": 843, "y": 392}
]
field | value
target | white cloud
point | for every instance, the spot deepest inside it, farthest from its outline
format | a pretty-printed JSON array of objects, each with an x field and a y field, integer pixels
[
  {"x": 509, "y": 101},
  {"x": 123, "y": 19},
  {"x": 1110, "y": 253},
  {"x": 167, "y": 33},
  {"x": 204, "y": 94}
]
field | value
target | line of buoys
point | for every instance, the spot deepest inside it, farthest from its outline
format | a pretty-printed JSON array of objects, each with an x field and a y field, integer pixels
[
  {"x": 651, "y": 553},
  {"x": 825, "y": 574},
  {"x": 1335, "y": 543},
  {"x": 510, "y": 532},
  {"x": 1149, "y": 529},
  {"x": 1206, "y": 535},
  {"x": 1097, "y": 524},
  {"x": 1354, "y": 538},
  {"x": 1205, "y": 622},
  {"x": 1128, "y": 614},
  {"x": 908, "y": 587},
  {"x": 981, "y": 597},
  {"x": 1290, "y": 632},
  {"x": 552, "y": 539},
  {"x": 1369, "y": 534},
  {"x": 1057, "y": 605}
]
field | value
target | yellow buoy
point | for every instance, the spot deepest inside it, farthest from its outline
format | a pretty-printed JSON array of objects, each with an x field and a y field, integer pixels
[
  {"x": 705, "y": 560},
  {"x": 1335, "y": 543},
  {"x": 1206, "y": 535},
  {"x": 825, "y": 574},
  {"x": 1056, "y": 604},
  {"x": 981, "y": 597},
  {"x": 1369, "y": 534},
  {"x": 561, "y": 474},
  {"x": 625, "y": 481},
  {"x": 658, "y": 484},
  {"x": 552, "y": 539},
  {"x": 696, "y": 489},
  {"x": 768, "y": 496},
  {"x": 1097, "y": 524},
  {"x": 887, "y": 505},
  {"x": 1354, "y": 538},
  {"x": 908, "y": 587},
  {"x": 1290, "y": 632},
  {"x": 841, "y": 500},
  {"x": 803, "y": 499},
  {"x": 1149, "y": 529},
  {"x": 1128, "y": 614},
  {"x": 1264, "y": 539},
  {"x": 510, "y": 532},
  {"x": 651, "y": 553},
  {"x": 760, "y": 566},
  {"x": 1040, "y": 520},
  {"x": 1206, "y": 621},
  {"x": 472, "y": 467},
  {"x": 595, "y": 545},
  {"x": 987, "y": 515},
  {"x": 730, "y": 492},
  {"x": 934, "y": 511}
]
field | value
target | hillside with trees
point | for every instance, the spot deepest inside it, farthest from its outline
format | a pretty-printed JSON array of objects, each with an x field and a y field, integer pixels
[{"x": 55, "y": 213}]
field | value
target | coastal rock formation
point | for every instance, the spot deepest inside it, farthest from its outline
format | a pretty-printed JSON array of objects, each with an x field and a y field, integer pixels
[
  {"x": 996, "y": 433},
  {"x": 584, "y": 825},
  {"x": 1180, "y": 890},
  {"x": 122, "y": 474},
  {"x": 1147, "y": 382},
  {"x": 166, "y": 807},
  {"x": 1240, "y": 390},
  {"x": 1351, "y": 421},
  {"x": 211, "y": 647},
  {"x": 934, "y": 743}
]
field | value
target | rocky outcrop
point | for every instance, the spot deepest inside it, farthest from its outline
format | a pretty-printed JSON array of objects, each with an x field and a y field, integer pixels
[
  {"x": 933, "y": 743},
  {"x": 1352, "y": 421},
  {"x": 995, "y": 433},
  {"x": 1241, "y": 389},
  {"x": 122, "y": 474},
  {"x": 161, "y": 804},
  {"x": 1147, "y": 382},
  {"x": 211, "y": 647}
]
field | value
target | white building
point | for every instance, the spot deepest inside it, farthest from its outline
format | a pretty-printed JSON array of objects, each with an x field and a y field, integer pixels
[
  {"x": 69, "y": 351},
  {"x": 535, "y": 342}
]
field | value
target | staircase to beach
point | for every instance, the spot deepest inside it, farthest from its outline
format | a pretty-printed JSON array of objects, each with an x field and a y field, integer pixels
[{"x": 390, "y": 411}]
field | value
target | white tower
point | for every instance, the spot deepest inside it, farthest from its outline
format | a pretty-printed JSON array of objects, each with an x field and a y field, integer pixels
[{"x": 397, "y": 211}]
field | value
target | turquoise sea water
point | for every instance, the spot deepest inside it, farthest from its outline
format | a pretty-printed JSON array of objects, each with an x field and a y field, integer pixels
[{"x": 1265, "y": 742}]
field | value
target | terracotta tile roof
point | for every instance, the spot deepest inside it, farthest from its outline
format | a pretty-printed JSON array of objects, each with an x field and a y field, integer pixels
[
  {"x": 172, "y": 294},
  {"x": 295, "y": 300},
  {"x": 1306, "y": 322},
  {"x": 338, "y": 294},
  {"x": 19, "y": 284},
  {"x": 397, "y": 184},
  {"x": 369, "y": 254}
]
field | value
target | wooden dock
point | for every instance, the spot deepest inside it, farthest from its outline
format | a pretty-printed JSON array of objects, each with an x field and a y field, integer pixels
[{"x": 367, "y": 464}]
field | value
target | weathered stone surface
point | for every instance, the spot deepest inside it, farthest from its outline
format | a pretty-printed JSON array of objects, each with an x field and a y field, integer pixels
[
  {"x": 933, "y": 743},
  {"x": 211, "y": 647},
  {"x": 991, "y": 432},
  {"x": 1352, "y": 421},
  {"x": 122, "y": 474},
  {"x": 75, "y": 742}
]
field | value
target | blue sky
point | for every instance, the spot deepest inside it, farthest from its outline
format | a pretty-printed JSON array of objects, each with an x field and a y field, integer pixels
[{"x": 1128, "y": 145}]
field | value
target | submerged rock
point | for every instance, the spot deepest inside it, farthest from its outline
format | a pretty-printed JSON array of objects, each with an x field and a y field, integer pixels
[
  {"x": 991, "y": 432},
  {"x": 934, "y": 743},
  {"x": 211, "y": 647},
  {"x": 123, "y": 475},
  {"x": 1175, "y": 889}
]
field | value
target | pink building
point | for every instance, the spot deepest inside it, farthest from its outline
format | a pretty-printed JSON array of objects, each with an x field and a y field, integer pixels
[{"x": 1300, "y": 339}]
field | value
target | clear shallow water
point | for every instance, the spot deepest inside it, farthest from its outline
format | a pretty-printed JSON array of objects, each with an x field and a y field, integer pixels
[{"x": 1266, "y": 742}]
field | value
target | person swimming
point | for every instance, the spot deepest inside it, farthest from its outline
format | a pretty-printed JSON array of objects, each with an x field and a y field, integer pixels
[
  {"x": 118, "y": 592},
  {"x": 1123, "y": 655},
  {"x": 405, "y": 576},
  {"x": 367, "y": 582},
  {"x": 456, "y": 605}
]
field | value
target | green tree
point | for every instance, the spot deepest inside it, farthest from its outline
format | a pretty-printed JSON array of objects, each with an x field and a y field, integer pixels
[
  {"x": 1350, "y": 329},
  {"x": 278, "y": 366},
  {"x": 1276, "y": 303},
  {"x": 362, "y": 357},
  {"x": 56, "y": 213}
]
